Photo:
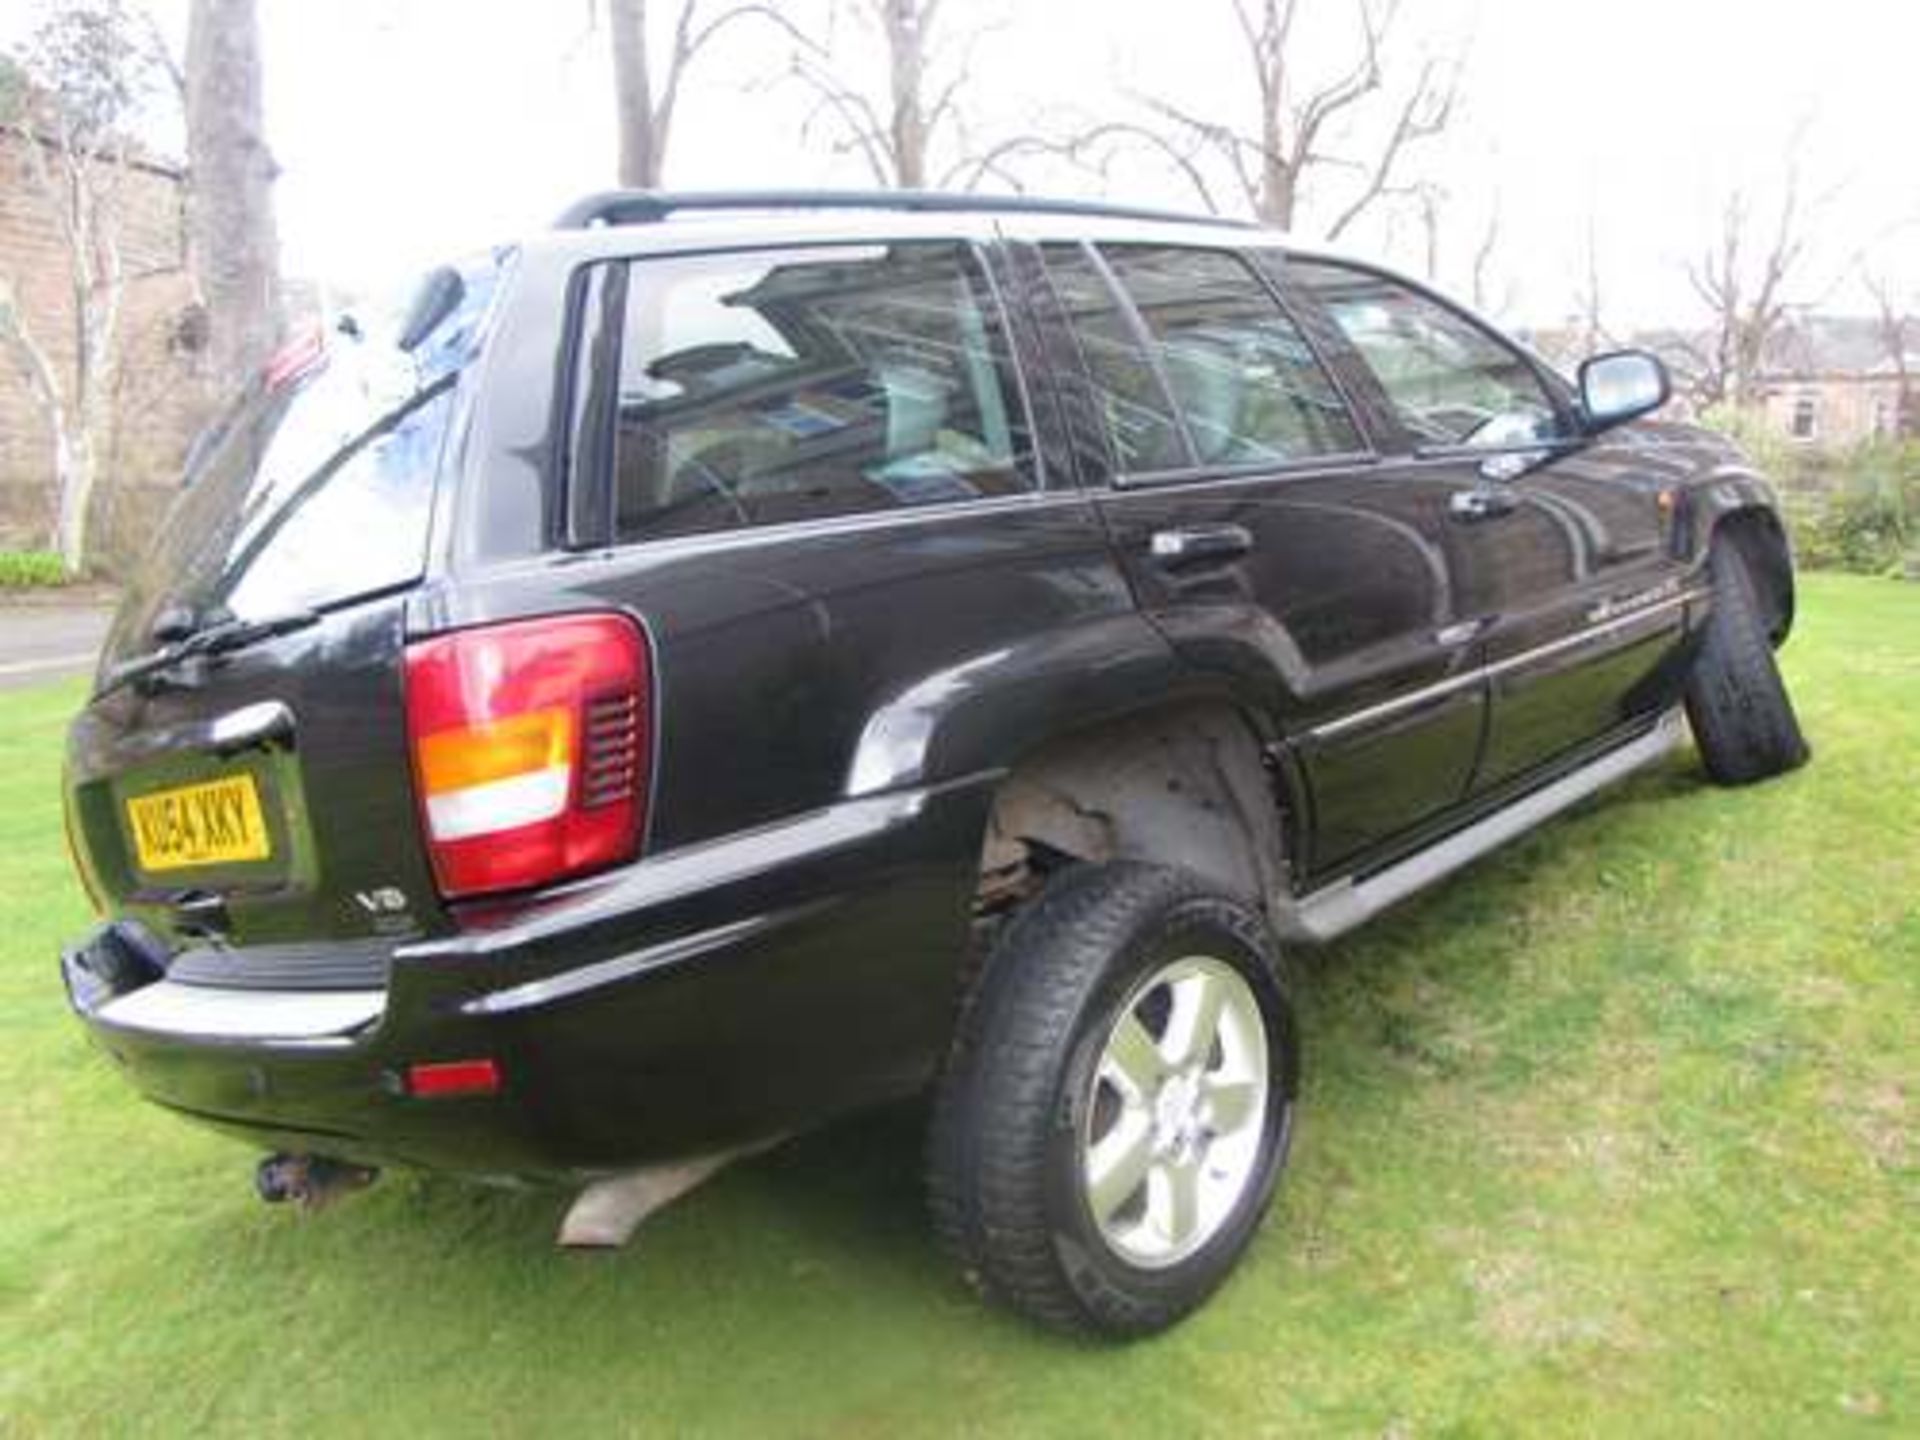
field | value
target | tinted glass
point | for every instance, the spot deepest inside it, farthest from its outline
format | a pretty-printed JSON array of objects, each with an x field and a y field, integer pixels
[
  {"x": 756, "y": 389},
  {"x": 1243, "y": 377},
  {"x": 1451, "y": 382},
  {"x": 312, "y": 492},
  {"x": 316, "y": 486},
  {"x": 358, "y": 525},
  {"x": 1139, "y": 419}
]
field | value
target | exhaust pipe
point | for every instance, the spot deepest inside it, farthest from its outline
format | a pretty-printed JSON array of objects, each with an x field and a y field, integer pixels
[{"x": 309, "y": 1181}]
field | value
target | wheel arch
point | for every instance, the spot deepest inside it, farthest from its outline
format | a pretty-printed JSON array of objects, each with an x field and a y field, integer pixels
[
  {"x": 1102, "y": 742},
  {"x": 1187, "y": 783},
  {"x": 1754, "y": 532}
]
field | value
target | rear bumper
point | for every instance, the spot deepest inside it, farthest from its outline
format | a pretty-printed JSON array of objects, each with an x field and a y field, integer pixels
[{"x": 701, "y": 999}]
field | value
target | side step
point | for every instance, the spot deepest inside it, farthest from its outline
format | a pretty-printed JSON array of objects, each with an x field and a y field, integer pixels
[{"x": 1331, "y": 912}]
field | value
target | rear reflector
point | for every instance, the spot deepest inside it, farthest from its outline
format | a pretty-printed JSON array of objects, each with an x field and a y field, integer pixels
[
  {"x": 448, "y": 1078},
  {"x": 530, "y": 749}
]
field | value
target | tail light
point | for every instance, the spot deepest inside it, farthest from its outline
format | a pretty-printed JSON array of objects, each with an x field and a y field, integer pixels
[{"x": 531, "y": 744}]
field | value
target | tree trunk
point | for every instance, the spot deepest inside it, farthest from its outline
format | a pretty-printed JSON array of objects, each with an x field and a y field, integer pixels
[
  {"x": 906, "y": 48},
  {"x": 235, "y": 248},
  {"x": 1274, "y": 205},
  {"x": 633, "y": 94},
  {"x": 74, "y": 470}
]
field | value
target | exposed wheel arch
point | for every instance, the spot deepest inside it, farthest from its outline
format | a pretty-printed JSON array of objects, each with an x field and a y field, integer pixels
[{"x": 1186, "y": 785}]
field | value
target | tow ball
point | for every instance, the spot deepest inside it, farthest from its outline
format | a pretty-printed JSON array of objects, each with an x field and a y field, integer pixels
[{"x": 310, "y": 1181}]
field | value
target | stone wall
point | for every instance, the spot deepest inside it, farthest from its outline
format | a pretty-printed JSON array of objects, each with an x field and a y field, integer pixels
[{"x": 161, "y": 392}]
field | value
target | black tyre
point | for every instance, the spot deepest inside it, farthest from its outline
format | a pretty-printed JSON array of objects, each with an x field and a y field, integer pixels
[
  {"x": 1119, "y": 1102},
  {"x": 1737, "y": 703}
]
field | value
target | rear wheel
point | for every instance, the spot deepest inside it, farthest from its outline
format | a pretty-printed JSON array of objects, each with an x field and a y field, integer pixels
[
  {"x": 1119, "y": 1103},
  {"x": 1736, "y": 701}
]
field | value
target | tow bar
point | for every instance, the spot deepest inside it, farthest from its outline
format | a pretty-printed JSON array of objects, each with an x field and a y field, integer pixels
[{"x": 310, "y": 1181}]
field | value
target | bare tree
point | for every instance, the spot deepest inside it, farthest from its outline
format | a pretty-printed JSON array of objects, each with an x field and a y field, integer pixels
[
  {"x": 1744, "y": 289},
  {"x": 1897, "y": 338},
  {"x": 898, "y": 127},
  {"x": 233, "y": 243},
  {"x": 1430, "y": 203},
  {"x": 1303, "y": 125},
  {"x": 79, "y": 78},
  {"x": 1480, "y": 277},
  {"x": 1592, "y": 300},
  {"x": 646, "y": 98}
]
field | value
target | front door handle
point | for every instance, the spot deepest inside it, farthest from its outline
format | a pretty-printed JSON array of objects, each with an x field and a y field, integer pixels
[
  {"x": 1194, "y": 544},
  {"x": 1482, "y": 502}
]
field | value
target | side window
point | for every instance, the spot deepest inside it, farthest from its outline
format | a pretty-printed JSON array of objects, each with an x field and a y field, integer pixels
[
  {"x": 770, "y": 387},
  {"x": 1243, "y": 377},
  {"x": 1138, "y": 417},
  {"x": 1450, "y": 381}
]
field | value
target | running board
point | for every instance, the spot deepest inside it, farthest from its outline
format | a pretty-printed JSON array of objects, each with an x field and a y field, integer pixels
[{"x": 1331, "y": 912}]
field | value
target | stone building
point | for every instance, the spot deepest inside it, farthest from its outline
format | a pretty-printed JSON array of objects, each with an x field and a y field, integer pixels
[
  {"x": 160, "y": 394},
  {"x": 1833, "y": 382},
  {"x": 1826, "y": 382}
]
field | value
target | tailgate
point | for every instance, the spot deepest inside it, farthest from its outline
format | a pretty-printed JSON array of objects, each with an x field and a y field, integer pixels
[{"x": 262, "y": 799}]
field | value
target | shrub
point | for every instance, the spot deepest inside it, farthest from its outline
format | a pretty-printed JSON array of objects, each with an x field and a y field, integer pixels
[
  {"x": 1856, "y": 509},
  {"x": 1867, "y": 520},
  {"x": 23, "y": 569}
]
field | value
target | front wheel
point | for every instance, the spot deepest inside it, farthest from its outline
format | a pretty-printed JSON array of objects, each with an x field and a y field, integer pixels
[
  {"x": 1119, "y": 1103},
  {"x": 1737, "y": 703}
]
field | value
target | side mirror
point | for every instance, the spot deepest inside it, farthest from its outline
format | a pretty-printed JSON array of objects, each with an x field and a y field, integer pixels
[{"x": 1622, "y": 386}]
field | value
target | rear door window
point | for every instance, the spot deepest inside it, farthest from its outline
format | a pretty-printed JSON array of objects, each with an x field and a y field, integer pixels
[
  {"x": 1245, "y": 381},
  {"x": 1138, "y": 415},
  {"x": 771, "y": 387}
]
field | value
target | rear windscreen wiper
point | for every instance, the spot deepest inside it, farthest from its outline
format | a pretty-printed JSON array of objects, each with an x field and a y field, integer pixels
[{"x": 216, "y": 639}]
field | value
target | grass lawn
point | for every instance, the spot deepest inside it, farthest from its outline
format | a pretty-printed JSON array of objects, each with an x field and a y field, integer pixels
[{"x": 1615, "y": 1134}]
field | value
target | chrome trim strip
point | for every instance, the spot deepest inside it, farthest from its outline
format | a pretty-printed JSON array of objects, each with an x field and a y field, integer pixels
[
  {"x": 1371, "y": 715},
  {"x": 1197, "y": 477},
  {"x": 1061, "y": 497},
  {"x": 1386, "y": 709},
  {"x": 204, "y": 1012},
  {"x": 1329, "y": 913}
]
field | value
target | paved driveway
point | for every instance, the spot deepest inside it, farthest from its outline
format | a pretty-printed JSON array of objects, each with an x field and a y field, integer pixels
[{"x": 42, "y": 642}]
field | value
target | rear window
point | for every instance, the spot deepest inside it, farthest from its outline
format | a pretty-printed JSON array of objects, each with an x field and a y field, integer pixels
[
  {"x": 769, "y": 387},
  {"x": 301, "y": 502},
  {"x": 317, "y": 486}
]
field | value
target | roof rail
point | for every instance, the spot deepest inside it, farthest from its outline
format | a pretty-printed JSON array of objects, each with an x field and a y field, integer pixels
[{"x": 646, "y": 207}]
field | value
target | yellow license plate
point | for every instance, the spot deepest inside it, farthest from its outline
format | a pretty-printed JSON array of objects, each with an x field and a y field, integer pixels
[{"x": 217, "y": 823}]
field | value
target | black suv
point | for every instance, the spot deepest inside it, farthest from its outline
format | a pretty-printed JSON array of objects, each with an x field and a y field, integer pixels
[{"x": 736, "y": 658}]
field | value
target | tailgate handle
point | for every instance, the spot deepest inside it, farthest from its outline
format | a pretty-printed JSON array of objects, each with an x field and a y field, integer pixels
[{"x": 250, "y": 727}]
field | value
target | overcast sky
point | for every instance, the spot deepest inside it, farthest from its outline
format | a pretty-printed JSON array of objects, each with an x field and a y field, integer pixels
[{"x": 412, "y": 129}]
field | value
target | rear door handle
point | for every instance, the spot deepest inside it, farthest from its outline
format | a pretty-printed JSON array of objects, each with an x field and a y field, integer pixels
[
  {"x": 1194, "y": 544},
  {"x": 1482, "y": 502},
  {"x": 1462, "y": 633}
]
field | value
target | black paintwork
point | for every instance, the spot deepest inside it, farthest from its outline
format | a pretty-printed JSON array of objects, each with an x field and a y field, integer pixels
[{"x": 836, "y": 701}]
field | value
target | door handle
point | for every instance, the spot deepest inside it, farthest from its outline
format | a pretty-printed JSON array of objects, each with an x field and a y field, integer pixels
[
  {"x": 1461, "y": 633},
  {"x": 1482, "y": 502},
  {"x": 1193, "y": 544}
]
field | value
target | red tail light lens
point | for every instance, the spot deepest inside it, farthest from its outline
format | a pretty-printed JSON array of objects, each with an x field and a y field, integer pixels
[
  {"x": 531, "y": 742},
  {"x": 449, "y": 1078}
]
